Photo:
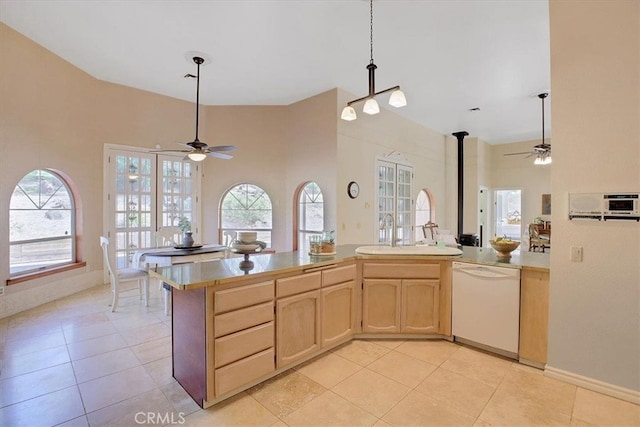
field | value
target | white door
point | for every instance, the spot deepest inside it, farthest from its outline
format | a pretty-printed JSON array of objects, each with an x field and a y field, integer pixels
[
  {"x": 145, "y": 191},
  {"x": 395, "y": 186},
  {"x": 508, "y": 208}
]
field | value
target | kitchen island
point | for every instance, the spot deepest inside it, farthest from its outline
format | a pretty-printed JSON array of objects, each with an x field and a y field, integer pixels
[{"x": 234, "y": 327}]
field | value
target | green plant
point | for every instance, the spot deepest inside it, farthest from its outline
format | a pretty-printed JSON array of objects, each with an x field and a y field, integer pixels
[{"x": 184, "y": 224}]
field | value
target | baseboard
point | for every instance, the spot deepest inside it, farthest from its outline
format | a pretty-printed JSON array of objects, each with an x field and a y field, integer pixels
[{"x": 622, "y": 393}]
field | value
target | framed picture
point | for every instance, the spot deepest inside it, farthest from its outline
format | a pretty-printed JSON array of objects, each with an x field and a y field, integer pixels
[{"x": 546, "y": 204}]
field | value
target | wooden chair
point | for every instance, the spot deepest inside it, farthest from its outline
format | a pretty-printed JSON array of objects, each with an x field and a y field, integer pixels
[
  {"x": 537, "y": 241},
  {"x": 124, "y": 275}
]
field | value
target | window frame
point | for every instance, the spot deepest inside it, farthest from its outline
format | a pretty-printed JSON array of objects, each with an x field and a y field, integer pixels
[
  {"x": 300, "y": 233},
  {"x": 222, "y": 230},
  {"x": 72, "y": 262}
]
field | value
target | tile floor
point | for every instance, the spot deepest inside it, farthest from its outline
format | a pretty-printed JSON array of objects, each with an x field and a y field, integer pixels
[{"x": 74, "y": 363}]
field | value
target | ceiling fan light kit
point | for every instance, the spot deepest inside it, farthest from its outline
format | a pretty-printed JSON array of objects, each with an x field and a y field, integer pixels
[
  {"x": 543, "y": 156},
  {"x": 397, "y": 98},
  {"x": 542, "y": 151},
  {"x": 198, "y": 150}
]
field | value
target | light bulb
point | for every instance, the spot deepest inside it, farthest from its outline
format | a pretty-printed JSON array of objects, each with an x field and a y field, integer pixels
[
  {"x": 197, "y": 156},
  {"x": 371, "y": 107},
  {"x": 348, "y": 113},
  {"x": 397, "y": 99}
]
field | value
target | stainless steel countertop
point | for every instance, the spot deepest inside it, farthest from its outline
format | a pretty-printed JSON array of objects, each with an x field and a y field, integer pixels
[{"x": 227, "y": 270}]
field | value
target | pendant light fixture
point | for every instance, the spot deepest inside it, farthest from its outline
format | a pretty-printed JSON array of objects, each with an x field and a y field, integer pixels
[
  {"x": 397, "y": 98},
  {"x": 543, "y": 150}
]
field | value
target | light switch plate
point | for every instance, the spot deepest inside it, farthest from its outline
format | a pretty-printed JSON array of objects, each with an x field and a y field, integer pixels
[{"x": 576, "y": 253}]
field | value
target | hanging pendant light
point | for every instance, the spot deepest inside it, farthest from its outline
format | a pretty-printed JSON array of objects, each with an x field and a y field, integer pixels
[
  {"x": 543, "y": 150},
  {"x": 397, "y": 98}
]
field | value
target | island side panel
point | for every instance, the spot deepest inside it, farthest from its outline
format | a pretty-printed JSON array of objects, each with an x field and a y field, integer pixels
[{"x": 189, "y": 342}]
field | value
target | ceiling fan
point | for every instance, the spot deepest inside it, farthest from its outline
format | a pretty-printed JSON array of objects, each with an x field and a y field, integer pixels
[
  {"x": 197, "y": 150},
  {"x": 542, "y": 151}
]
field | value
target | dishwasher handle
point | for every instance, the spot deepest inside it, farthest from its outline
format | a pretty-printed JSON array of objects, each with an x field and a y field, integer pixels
[{"x": 482, "y": 271}]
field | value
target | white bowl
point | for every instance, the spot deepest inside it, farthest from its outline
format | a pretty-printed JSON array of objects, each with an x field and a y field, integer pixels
[{"x": 247, "y": 236}]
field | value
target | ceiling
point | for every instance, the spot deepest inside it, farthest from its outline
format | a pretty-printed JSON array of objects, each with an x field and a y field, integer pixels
[{"x": 447, "y": 55}]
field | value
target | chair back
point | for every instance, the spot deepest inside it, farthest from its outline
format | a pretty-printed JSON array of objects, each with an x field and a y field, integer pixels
[
  {"x": 533, "y": 231},
  {"x": 166, "y": 236},
  {"x": 104, "y": 243},
  {"x": 229, "y": 237}
]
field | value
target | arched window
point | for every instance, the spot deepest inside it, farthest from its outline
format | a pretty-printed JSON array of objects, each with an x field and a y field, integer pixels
[
  {"x": 424, "y": 212},
  {"x": 41, "y": 223},
  {"x": 310, "y": 214},
  {"x": 246, "y": 207}
]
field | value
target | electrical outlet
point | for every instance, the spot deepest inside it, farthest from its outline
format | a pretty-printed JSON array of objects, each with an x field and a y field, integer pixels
[
  {"x": 576, "y": 253},
  {"x": 1, "y": 290}
]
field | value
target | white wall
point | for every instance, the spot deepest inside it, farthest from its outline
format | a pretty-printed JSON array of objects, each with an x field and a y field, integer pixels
[
  {"x": 594, "y": 328},
  {"x": 360, "y": 142}
]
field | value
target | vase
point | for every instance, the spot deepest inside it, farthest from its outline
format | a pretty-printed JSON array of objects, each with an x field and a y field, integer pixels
[{"x": 187, "y": 239}]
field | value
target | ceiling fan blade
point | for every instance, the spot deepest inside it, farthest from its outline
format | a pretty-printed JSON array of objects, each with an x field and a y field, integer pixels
[
  {"x": 222, "y": 148},
  {"x": 517, "y": 154},
  {"x": 170, "y": 151},
  {"x": 219, "y": 155}
]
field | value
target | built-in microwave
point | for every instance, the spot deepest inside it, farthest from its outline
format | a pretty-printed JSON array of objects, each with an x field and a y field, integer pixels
[
  {"x": 604, "y": 206},
  {"x": 621, "y": 205}
]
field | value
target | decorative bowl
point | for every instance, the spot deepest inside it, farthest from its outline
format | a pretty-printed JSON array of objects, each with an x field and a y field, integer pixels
[
  {"x": 247, "y": 236},
  {"x": 504, "y": 247}
]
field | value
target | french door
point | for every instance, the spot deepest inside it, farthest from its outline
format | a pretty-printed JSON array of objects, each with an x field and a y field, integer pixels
[
  {"x": 395, "y": 186},
  {"x": 146, "y": 191}
]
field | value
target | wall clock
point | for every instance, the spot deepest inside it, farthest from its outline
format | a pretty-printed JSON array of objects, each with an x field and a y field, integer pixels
[{"x": 353, "y": 189}]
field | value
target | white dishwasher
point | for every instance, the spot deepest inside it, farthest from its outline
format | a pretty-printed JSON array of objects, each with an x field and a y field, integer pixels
[{"x": 486, "y": 307}]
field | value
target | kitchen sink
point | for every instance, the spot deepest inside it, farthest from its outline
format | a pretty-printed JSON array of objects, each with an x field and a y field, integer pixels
[{"x": 407, "y": 250}]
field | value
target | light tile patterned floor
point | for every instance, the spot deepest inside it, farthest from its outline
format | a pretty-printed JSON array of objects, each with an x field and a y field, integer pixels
[{"x": 74, "y": 363}]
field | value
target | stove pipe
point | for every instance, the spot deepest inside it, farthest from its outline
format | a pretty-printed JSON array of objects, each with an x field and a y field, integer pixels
[{"x": 460, "y": 135}]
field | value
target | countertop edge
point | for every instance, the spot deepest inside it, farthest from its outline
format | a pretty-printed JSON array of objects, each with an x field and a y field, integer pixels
[{"x": 293, "y": 262}]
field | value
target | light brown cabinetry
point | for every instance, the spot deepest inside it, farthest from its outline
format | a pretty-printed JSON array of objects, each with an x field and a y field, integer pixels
[
  {"x": 534, "y": 317},
  {"x": 338, "y": 304},
  {"x": 420, "y": 306},
  {"x": 314, "y": 310},
  {"x": 401, "y": 298},
  {"x": 381, "y": 305},
  {"x": 298, "y": 327},
  {"x": 298, "y": 317},
  {"x": 244, "y": 331}
]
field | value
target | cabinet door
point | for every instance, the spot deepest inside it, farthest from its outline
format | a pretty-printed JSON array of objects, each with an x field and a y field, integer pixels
[
  {"x": 338, "y": 312},
  {"x": 298, "y": 327},
  {"x": 381, "y": 306},
  {"x": 420, "y": 306},
  {"x": 534, "y": 316}
]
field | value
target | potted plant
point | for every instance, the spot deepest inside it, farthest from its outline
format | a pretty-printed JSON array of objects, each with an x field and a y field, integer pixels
[{"x": 185, "y": 226}]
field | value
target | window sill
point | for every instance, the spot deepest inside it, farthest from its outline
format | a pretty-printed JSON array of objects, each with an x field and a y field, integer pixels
[{"x": 48, "y": 272}]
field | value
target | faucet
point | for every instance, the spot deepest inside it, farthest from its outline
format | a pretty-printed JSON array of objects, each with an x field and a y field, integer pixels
[{"x": 383, "y": 224}]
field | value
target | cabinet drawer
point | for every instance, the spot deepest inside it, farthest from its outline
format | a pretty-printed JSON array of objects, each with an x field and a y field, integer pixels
[
  {"x": 242, "y": 319},
  {"x": 298, "y": 284},
  {"x": 401, "y": 271},
  {"x": 243, "y": 296},
  {"x": 244, "y": 343},
  {"x": 244, "y": 371},
  {"x": 338, "y": 275}
]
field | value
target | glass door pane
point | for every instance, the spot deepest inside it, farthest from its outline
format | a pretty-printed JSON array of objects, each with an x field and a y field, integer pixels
[
  {"x": 177, "y": 180},
  {"x": 132, "y": 204},
  {"x": 508, "y": 208},
  {"x": 395, "y": 183},
  {"x": 404, "y": 211}
]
